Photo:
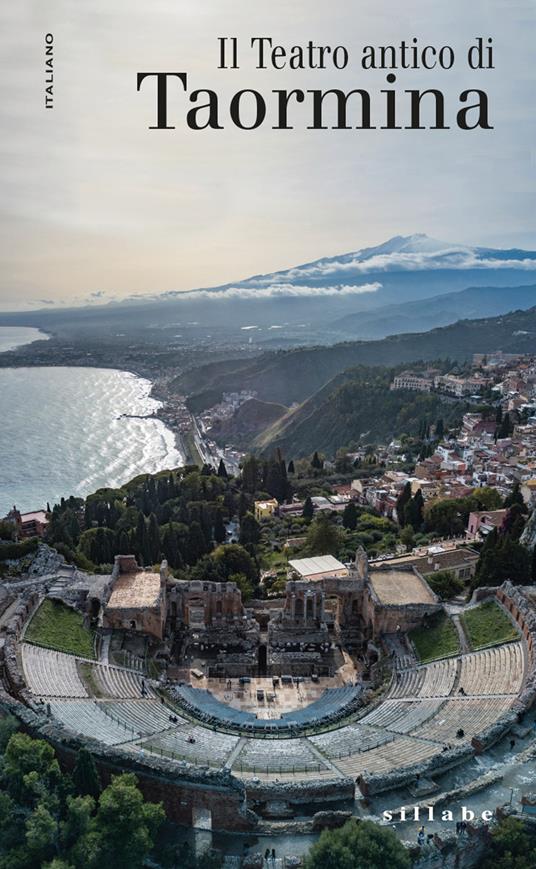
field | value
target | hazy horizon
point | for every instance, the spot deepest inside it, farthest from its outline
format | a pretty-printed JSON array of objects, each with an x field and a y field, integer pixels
[{"x": 96, "y": 207}]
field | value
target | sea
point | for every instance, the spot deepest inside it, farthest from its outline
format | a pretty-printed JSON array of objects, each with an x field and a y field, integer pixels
[
  {"x": 63, "y": 431},
  {"x": 16, "y": 336}
]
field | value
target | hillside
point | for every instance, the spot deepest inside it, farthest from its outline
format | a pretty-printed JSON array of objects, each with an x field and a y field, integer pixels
[
  {"x": 297, "y": 304},
  {"x": 438, "y": 311},
  {"x": 248, "y": 422},
  {"x": 355, "y": 406},
  {"x": 293, "y": 376}
]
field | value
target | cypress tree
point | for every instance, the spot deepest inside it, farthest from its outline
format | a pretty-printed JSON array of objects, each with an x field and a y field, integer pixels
[
  {"x": 250, "y": 531},
  {"x": 515, "y": 497},
  {"x": 413, "y": 511},
  {"x": 123, "y": 543},
  {"x": 220, "y": 533},
  {"x": 276, "y": 482},
  {"x": 243, "y": 505},
  {"x": 85, "y": 776},
  {"x": 170, "y": 547},
  {"x": 250, "y": 474},
  {"x": 308, "y": 509},
  {"x": 316, "y": 461},
  {"x": 153, "y": 539},
  {"x": 197, "y": 545},
  {"x": 403, "y": 499},
  {"x": 349, "y": 516}
]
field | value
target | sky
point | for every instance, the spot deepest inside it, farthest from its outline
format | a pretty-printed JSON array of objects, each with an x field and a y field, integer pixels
[{"x": 95, "y": 206}]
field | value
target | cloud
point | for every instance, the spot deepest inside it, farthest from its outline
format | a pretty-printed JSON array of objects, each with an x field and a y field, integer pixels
[
  {"x": 454, "y": 258},
  {"x": 274, "y": 291}
]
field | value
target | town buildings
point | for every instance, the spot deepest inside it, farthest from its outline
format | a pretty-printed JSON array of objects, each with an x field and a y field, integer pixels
[{"x": 33, "y": 524}]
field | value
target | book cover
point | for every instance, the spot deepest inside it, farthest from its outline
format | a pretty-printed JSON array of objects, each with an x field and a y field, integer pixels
[{"x": 268, "y": 434}]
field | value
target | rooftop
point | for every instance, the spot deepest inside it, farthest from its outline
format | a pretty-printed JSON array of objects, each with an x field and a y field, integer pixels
[
  {"x": 445, "y": 557},
  {"x": 398, "y": 587},
  {"x": 320, "y": 564},
  {"x": 34, "y": 516},
  {"x": 135, "y": 590}
]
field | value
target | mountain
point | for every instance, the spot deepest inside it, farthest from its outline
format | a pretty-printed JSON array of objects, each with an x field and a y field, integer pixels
[
  {"x": 294, "y": 305},
  {"x": 355, "y": 407},
  {"x": 288, "y": 377},
  {"x": 247, "y": 423},
  {"x": 438, "y": 311}
]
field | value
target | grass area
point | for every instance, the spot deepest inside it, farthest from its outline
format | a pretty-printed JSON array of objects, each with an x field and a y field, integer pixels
[
  {"x": 487, "y": 625},
  {"x": 56, "y": 626},
  {"x": 85, "y": 672},
  {"x": 277, "y": 564},
  {"x": 437, "y": 640}
]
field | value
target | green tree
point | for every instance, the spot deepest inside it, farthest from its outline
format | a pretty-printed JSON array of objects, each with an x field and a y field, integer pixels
[
  {"x": 222, "y": 470},
  {"x": 41, "y": 833},
  {"x": 7, "y": 530},
  {"x": 403, "y": 499},
  {"x": 407, "y": 537},
  {"x": 251, "y": 474},
  {"x": 512, "y": 846},
  {"x": 515, "y": 497},
  {"x": 220, "y": 533},
  {"x": 502, "y": 558},
  {"x": 250, "y": 530},
  {"x": 506, "y": 427},
  {"x": 197, "y": 544},
  {"x": 170, "y": 546},
  {"x": 413, "y": 512},
  {"x": 123, "y": 543},
  {"x": 358, "y": 845},
  {"x": 232, "y": 559},
  {"x": 98, "y": 545},
  {"x": 290, "y": 468},
  {"x": 308, "y": 509},
  {"x": 57, "y": 863},
  {"x": 323, "y": 536},
  {"x": 8, "y": 726},
  {"x": 483, "y": 498},
  {"x": 514, "y": 522},
  {"x": 276, "y": 483},
  {"x": 125, "y": 825},
  {"x": 244, "y": 584},
  {"x": 24, "y": 756},
  {"x": 153, "y": 539},
  {"x": 244, "y": 504},
  {"x": 350, "y": 516},
  {"x": 439, "y": 429},
  {"x": 78, "y": 822},
  {"x": 316, "y": 462},
  {"x": 85, "y": 776},
  {"x": 141, "y": 545},
  {"x": 445, "y": 584}
]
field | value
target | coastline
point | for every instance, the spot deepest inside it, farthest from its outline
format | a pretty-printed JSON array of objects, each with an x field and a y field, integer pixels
[
  {"x": 145, "y": 362},
  {"x": 42, "y": 335},
  {"x": 154, "y": 444}
]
